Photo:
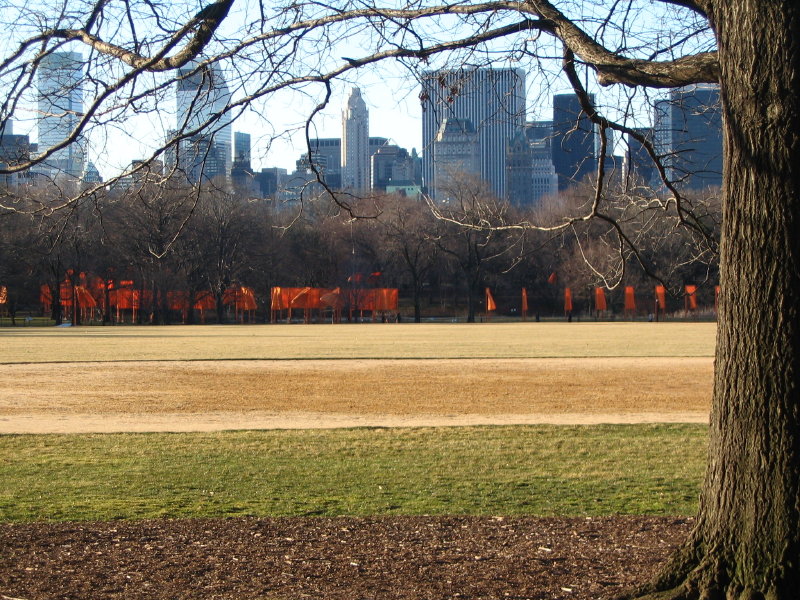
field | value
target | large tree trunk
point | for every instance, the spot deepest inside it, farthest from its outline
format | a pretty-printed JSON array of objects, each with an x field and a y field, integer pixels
[{"x": 746, "y": 544}]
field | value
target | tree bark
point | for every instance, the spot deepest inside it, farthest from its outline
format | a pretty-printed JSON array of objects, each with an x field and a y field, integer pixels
[{"x": 746, "y": 544}]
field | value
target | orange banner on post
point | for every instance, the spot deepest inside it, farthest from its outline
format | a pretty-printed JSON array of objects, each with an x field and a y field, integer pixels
[
  {"x": 600, "y": 299},
  {"x": 65, "y": 293},
  {"x": 661, "y": 297},
  {"x": 630, "y": 298},
  {"x": 332, "y": 298},
  {"x": 524, "y": 302},
  {"x": 248, "y": 299},
  {"x": 691, "y": 297},
  {"x": 45, "y": 296},
  {"x": 205, "y": 301},
  {"x": 302, "y": 299},
  {"x": 178, "y": 300},
  {"x": 490, "y": 304},
  {"x": 374, "y": 299},
  {"x": 84, "y": 298},
  {"x": 276, "y": 299},
  {"x": 124, "y": 299},
  {"x": 388, "y": 299},
  {"x": 567, "y": 300},
  {"x": 241, "y": 297},
  {"x": 716, "y": 298}
]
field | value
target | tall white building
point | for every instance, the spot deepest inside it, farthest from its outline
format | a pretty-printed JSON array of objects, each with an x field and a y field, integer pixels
[
  {"x": 492, "y": 99},
  {"x": 60, "y": 106},
  {"x": 202, "y": 96},
  {"x": 355, "y": 143}
]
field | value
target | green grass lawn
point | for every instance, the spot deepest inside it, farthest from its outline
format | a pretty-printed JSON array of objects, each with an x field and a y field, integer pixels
[{"x": 530, "y": 470}]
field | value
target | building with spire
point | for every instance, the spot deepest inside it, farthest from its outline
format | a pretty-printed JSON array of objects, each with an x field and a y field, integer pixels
[{"x": 355, "y": 143}]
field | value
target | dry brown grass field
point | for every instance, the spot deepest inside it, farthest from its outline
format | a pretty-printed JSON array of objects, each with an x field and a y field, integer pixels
[{"x": 271, "y": 376}]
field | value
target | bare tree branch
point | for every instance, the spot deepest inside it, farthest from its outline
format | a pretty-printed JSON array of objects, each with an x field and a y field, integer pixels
[{"x": 612, "y": 68}]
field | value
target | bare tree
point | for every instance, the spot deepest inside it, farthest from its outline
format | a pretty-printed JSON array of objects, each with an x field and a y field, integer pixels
[
  {"x": 471, "y": 232},
  {"x": 219, "y": 244},
  {"x": 150, "y": 219},
  {"x": 747, "y": 540},
  {"x": 409, "y": 232}
]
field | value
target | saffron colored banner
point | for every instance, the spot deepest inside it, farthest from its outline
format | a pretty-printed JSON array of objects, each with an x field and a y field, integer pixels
[
  {"x": 630, "y": 298},
  {"x": 490, "y": 303},
  {"x": 600, "y": 299}
]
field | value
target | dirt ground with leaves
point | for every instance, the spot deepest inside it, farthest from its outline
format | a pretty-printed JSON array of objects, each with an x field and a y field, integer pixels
[{"x": 397, "y": 558}]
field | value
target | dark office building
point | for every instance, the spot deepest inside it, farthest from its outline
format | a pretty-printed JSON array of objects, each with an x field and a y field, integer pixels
[
  {"x": 242, "y": 175},
  {"x": 392, "y": 166},
  {"x": 329, "y": 150},
  {"x": 519, "y": 170},
  {"x": 269, "y": 181},
  {"x": 545, "y": 179},
  {"x": 14, "y": 150},
  {"x": 688, "y": 133},
  {"x": 573, "y": 141},
  {"x": 638, "y": 166},
  {"x": 327, "y": 156}
]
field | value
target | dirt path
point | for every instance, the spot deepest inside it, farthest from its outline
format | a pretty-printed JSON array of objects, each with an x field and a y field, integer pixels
[
  {"x": 217, "y": 395},
  {"x": 111, "y": 423}
]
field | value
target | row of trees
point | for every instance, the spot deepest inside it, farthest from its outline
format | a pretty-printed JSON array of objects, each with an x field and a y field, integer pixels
[{"x": 168, "y": 238}]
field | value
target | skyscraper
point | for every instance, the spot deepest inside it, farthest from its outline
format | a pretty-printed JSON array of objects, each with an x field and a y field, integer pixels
[
  {"x": 574, "y": 141},
  {"x": 493, "y": 100},
  {"x": 331, "y": 150},
  {"x": 14, "y": 150},
  {"x": 242, "y": 176},
  {"x": 456, "y": 153},
  {"x": 638, "y": 168},
  {"x": 60, "y": 104},
  {"x": 355, "y": 143},
  {"x": 688, "y": 133},
  {"x": 545, "y": 179},
  {"x": 391, "y": 166},
  {"x": 202, "y": 96},
  {"x": 241, "y": 150}
]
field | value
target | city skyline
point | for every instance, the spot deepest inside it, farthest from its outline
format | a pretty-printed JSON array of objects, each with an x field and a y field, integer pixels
[{"x": 492, "y": 97}]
